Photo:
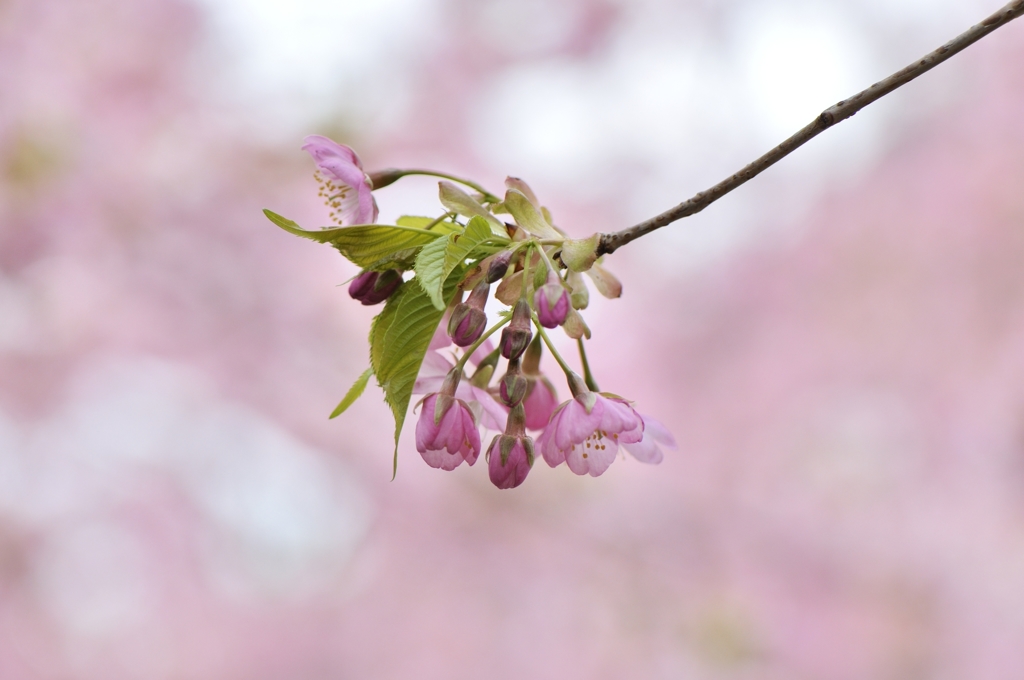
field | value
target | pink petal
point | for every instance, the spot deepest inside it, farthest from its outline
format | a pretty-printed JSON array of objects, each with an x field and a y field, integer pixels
[{"x": 594, "y": 459}]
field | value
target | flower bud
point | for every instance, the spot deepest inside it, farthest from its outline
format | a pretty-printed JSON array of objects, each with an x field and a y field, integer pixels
[
  {"x": 362, "y": 284},
  {"x": 372, "y": 288},
  {"x": 510, "y": 455},
  {"x": 513, "y": 385},
  {"x": 467, "y": 322},
  {"x": 516, "y": 336},
  {"x": 552, "y": 303},
  {"x": 499, "y": 266}
]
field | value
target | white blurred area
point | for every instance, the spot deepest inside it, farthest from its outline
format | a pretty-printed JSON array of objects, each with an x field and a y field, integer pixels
[{"x": 675, "y": 98}]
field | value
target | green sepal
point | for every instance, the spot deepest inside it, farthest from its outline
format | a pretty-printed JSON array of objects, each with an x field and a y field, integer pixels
[
  {"x": 399, "y": 338},
  {"x": 353, "y": 393}
]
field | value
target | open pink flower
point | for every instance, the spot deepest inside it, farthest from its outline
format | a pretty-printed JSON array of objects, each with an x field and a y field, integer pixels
[
  {"x": 344, "y": 185},
  {"x": 585, "y": 432},
  {"x": 436, "y": 366},
  {"x": 447, "y": 441},
  {"x": 647, "y": 450}
]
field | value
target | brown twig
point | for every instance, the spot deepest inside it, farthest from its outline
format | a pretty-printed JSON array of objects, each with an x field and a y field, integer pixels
[{"x": 609, "y": 243}]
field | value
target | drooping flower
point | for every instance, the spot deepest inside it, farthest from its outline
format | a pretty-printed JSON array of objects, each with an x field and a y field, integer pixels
[
  {"x": 510, "y": 455},
  {"x": 372, "y": 288},
  {"x": 585, "y": 432},
  {"x": 344, "y": 185},
  {"x": 647, "y": 450},
  {"x": 446, "y": 433},
  {"x": 489, "y": 413}
]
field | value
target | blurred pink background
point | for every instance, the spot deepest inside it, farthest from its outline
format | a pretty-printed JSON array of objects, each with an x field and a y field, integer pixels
[{"x": 838, "y": 346}]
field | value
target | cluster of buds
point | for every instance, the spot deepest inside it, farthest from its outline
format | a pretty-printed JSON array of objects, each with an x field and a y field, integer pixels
[{"x": 537, "y": 274}]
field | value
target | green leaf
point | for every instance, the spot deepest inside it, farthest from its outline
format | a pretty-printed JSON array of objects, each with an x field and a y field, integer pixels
[
  {"x": 399, "y": 338},
  {"x": 438, "y": 260},
  {"x": 445, "y": 226},
  {"x": 430, "y": 269},
  {"x": 459, "y": 202},
  {"x": 367, "y": 245},
  {"x": 354, "y": 393}
]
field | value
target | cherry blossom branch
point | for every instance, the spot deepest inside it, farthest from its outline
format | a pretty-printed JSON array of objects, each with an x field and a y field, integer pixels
[{"x": 609, "y": 243}]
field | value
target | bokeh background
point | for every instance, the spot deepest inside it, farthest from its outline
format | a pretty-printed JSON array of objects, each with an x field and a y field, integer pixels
[{"x": 838, "y": 346}]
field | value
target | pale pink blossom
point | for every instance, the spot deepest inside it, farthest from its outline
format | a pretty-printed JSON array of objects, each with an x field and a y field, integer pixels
[
  {"x": 647, "y": 450},
  {"x": 446, "y": 441},
  {"x": 345, "y": 186},
  {"x": 585, "y": 432}
]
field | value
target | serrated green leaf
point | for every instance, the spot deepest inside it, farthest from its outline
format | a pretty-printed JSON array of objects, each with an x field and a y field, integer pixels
[
  {"x": 367, "y": 245},
  {"x": 436, "y": 261},
  {"x": 430, "y": 269},
  {"x": 353, "y": 393},
  {"x": 399, "y": 338},
  {"x": 428, "y": 223}
]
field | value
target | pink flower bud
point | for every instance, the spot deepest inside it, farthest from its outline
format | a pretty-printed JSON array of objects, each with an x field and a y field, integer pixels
[
  {"x": 510, "y": 456},
  {"x": 509, "y": 460},
  {"x": 372, "y": 288},
  {"x": 467, "y": 322},
  {"x": 552, "y": 303},
  {"x": 513, "y": 385},
  {"x": 515, "y": 338},
  {"x": 499, "y": 266}
]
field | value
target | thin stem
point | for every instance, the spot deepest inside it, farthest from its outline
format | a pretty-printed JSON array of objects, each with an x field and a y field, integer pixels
[
  {"x": 547, "y": 260},
  {"x": 587, "y": 375},
  {"x": 488, "y": 196},
  {"x": 609, "y": 243},
  {"x": 439, "y": 220},
  {"x": 488, "y": 333},
  {"x": 527, "y": 256},
  {"x": 554, "y": 352}
]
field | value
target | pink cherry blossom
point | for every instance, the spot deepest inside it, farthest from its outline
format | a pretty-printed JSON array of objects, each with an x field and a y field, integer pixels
[
  {"x": 444, "y": 443},
  {"x": 585, "y": 432},
  {"x": 490, "y": 414},
  {"x": 647, "y": 450},
  {"x": 540, "y": 402},
  {"x": 345, "y": 186}
]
